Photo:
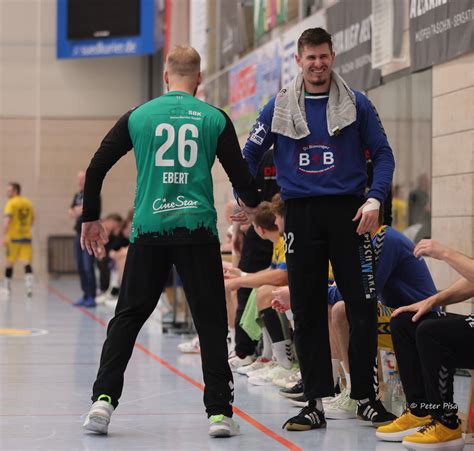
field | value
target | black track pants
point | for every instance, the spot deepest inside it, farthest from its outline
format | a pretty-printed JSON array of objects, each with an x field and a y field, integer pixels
[
  {"x": 318, "y": 229},
  {"x": 429, "y": 351},
  {"x": 145, "y": 275}
]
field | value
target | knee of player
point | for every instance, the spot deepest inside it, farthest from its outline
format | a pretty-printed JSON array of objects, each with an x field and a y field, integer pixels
[
  {"x": 402, "y": 322},
  {"x": 425, "y": 332},
  {"x": 264, "y": 297},
  {"x": 339, "y": 311}
]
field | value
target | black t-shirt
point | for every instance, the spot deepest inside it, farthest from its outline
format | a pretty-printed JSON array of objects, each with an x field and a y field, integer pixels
[
  {"x": 257, "y": 253},
  {"x": 266, "y": 177},
  {"x": 119, "y": 242},
  {"x": 76, "y": 201}
]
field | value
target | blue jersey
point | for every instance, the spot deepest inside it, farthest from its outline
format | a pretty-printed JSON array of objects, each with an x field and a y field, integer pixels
[
  {"x": 400, "y": 278},
  {"x": 319, "y": 164}
]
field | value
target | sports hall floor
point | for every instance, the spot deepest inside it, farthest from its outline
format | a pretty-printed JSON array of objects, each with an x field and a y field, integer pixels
[{"x": 45, "y": 384}]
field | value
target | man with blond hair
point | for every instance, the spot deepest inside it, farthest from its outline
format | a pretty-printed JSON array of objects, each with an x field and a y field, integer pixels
[{"x": 176, "y": 138}]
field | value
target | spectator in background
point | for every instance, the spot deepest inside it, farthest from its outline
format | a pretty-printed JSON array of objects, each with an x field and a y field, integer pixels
[
  {"x": 226, "y": 245},
  {"x": 399, "y": 209},
  {"x": 256, "y": 255},
  {"x": 419, "y": 208},
  {"x": 112, "y": 225},
  {"x": 84, "y": 261},
  {"x": 118, "y": 253},
  {"x": 17, "y": 235}
]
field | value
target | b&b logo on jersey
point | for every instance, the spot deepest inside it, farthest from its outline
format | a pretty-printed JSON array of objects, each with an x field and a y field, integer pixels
[
  {"x": 316, "y": 158},
  {"x": 258, "y": 133}
]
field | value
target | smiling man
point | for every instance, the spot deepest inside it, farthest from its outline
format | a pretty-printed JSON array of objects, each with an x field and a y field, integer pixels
[{"x": 319, "y": 128}]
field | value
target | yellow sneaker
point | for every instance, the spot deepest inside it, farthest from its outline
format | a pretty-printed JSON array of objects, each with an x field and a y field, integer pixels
[
  {"x": 404, "y": 425},
  {"x": 435, "y": 435}
]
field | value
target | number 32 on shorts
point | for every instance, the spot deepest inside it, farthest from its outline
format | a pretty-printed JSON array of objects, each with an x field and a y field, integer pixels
[{"x": 289, "y": 238}]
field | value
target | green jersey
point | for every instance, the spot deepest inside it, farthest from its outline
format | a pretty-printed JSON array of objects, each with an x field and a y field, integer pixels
[{"x": 176, "y": 139}]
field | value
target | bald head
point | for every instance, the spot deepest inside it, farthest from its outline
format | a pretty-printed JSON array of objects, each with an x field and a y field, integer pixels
[
  {"x": 183, "y": 61},
  {"x": 183, "y": 69}
]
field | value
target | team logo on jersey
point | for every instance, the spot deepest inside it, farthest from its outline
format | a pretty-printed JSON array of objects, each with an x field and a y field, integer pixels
[
  {"x": 316, "y": 158},
  {"x": 258, "y": 133},
  {"x": 181, "y": 203}
]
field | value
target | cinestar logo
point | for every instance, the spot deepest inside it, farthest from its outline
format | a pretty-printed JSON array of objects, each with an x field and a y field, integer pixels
[{"x": 181, "y": 203}]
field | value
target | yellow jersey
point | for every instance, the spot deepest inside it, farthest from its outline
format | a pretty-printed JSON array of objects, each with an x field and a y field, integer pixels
[
  {"x": 20, "y": 211},
  {"x": 278, "y": 257}
]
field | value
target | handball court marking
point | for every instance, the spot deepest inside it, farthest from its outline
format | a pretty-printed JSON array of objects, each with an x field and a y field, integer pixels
[{"x": 246, "y": 417}]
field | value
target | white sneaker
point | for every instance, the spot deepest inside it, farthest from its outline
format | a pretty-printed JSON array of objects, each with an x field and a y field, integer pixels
[
  {"x": 111, "y": 302},
  {"x": 222, "y": 426},
  {"x": 264, "y": 370},
  {"x": 98, "y": 418},
  {"x": 342, "y": 408},
  {"x": 102, "y": 297},
  {"x": 4, "y": 293},
  {"x": 293, "y": 380},
  {"x": 29, "y": 279},
  {"x": 260, "y": 363},
  {"x": 289, "y": 377},
  {"x": 237, "y": 362},
  {"x": 267, "y": 377},
  {"x": 190, "y": 347}
]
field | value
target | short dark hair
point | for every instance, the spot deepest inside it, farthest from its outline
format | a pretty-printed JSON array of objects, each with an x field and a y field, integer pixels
[
  {"x": 265, "y": 218},
  {"x": 278, "y": 206},
  {"x": 314, "y": 36},
  {"x": 16, "y": 187}
]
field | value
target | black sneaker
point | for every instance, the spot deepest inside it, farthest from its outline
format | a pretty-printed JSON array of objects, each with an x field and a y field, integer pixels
[
  {"x": 294, "y": 392},
  {"x": 375, "y": 412},
  {"x": 308, "y": 418}
]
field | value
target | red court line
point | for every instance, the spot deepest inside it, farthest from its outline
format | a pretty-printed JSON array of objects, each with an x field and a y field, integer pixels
[{"x": 246, "y": 417}]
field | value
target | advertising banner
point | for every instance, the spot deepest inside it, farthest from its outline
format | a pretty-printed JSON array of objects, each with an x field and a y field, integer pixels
[
  {"x": 440, "y": 30},
  {"x": 252, "y": 82},
  {"x": 267, "y": 14},
  {"x": 350, "y": 26}
]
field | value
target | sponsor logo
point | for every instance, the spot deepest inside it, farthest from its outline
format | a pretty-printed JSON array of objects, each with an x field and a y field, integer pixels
[
  {"x": 258, "y": 133},
  {"x": 269, "y": 172},
  {"x": 181, "y": 203},
  {"x": 367, "y": 267},
  {"x": 316, "y": 158},
  {"x": 194, "y": 113},
  {"x": 470, "y": 320}
]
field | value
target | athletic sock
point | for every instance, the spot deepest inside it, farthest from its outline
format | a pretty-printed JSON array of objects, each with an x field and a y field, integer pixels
[
  {"x": 267, "y": 352},
  {"x": 275, "y": 324}
]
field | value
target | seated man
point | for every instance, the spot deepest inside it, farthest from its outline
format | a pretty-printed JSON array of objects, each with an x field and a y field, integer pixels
[
  {"x": 429, "y": 346},
  {"x": 112, "y": 224},
  {"x": 268, "y": 225}
]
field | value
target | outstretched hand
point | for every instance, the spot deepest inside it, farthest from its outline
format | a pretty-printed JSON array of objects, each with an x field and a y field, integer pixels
[
  {"x": 430, "y": 248},
  {"x": 93, "y": 238}
]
